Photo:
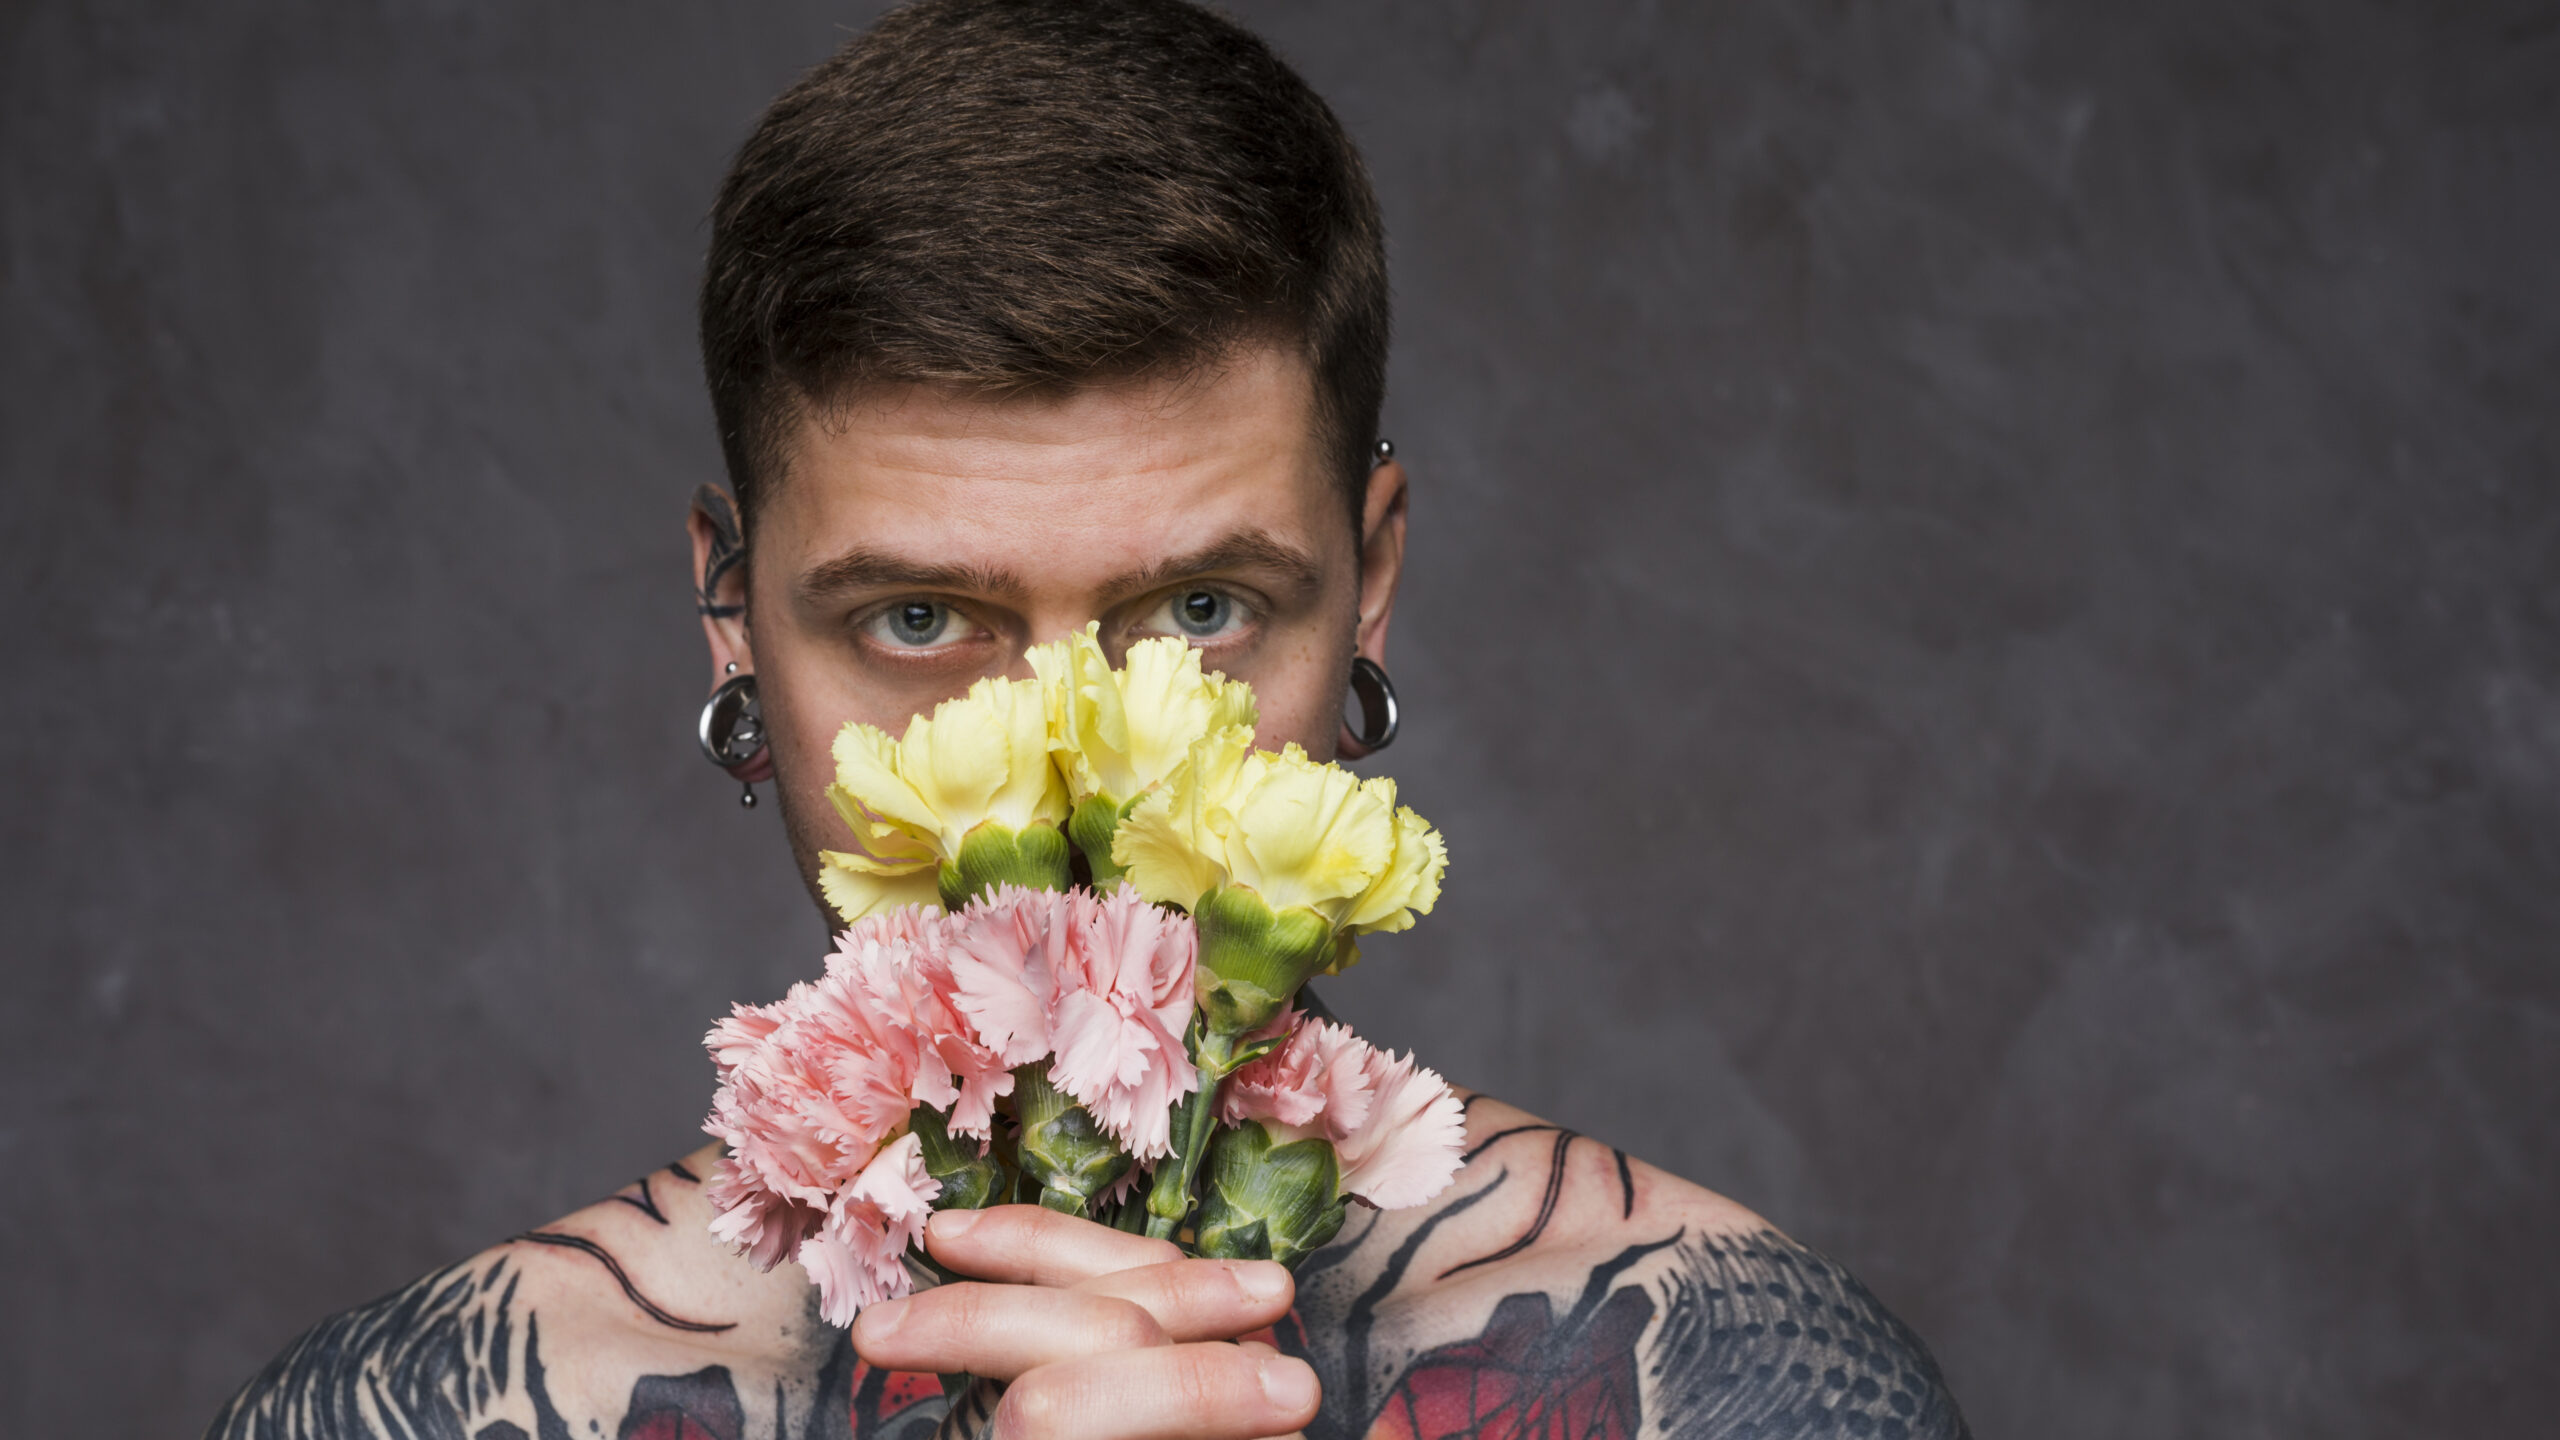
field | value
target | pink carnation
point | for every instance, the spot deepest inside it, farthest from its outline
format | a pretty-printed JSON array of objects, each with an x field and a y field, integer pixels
[
  {"x": 1395, "y": 1127},
  {"x": 1004, "y": 953},
  {"x": 811, "y": 1087},
  {"x": 1102, "y": 985},
  {"x": 919, "y": 1008},
  {"x": 857, "y": 1256},
  {"x": 902, "y": 994}
]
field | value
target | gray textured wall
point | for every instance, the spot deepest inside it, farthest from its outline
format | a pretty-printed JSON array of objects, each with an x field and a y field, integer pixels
[{"x": 1983, "y": 626}]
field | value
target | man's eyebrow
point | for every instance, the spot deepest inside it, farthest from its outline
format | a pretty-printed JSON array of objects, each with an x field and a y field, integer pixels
[
  {"x": 1241, "y": 550},
  {"x": 865, "y": 569}
]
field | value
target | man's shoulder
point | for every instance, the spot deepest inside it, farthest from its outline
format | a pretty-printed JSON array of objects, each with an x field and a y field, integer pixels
[
  {"x": 626, "y": 1303},
  {"x": 1560, "y": 1276}
]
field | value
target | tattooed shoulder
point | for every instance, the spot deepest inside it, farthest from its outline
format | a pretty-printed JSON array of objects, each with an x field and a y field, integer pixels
[
  {"x": 621, "y": 1320},
  {"x": 1564, "y": 1290},
  {"x": 424, "y": 1359}
]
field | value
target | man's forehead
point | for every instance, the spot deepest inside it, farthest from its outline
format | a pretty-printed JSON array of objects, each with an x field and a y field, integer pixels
[
  {"x": 930, "y": 487},
  {"x": 1259, "y": 399}
]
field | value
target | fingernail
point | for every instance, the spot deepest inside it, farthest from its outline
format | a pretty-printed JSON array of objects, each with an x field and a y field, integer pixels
[
  {"x": 1288, "y": 1383},
  {"x": 952, "y": 1224},
  {"x": 1262, "y": 1279}
]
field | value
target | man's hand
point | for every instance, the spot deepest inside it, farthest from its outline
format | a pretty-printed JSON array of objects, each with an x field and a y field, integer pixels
[{"x": 1100, "y": 1335}]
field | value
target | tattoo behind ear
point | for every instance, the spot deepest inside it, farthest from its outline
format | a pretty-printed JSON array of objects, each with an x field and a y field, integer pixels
[{"x": 728, "y": 550}]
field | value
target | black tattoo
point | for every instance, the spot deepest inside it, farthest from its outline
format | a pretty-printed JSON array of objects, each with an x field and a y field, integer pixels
[
  {"x": 458, "y": 1356},
  {"x": 1498, "y": 1136},
  {"x": 1678, "y": 1337},
  {"x": 1761, "y": 1336},
  {"x": 682, "y": 1407},
  {"x": 1546, "y": 1208},
  {"x": 622, "y": 1278},
  {"x": 972, "y": 1415},
  {"x": 645, "y": 1202},
  {"x": 728, "y": 549},
  {"x": 1684, "y": 1336},
  {"x": 422, "y": 1361},
  {"x": 1359, "y": 1322},
  {"x": 1529, "y": 1376}
]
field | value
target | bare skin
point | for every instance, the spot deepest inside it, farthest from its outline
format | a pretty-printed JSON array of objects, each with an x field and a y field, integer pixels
[{"x": 922, "y": 540}]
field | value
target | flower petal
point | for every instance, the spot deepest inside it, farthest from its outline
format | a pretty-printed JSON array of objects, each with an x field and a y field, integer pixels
[
  {"x": 1409, "y": 1149},
  {"x": 858, "y": 894}
]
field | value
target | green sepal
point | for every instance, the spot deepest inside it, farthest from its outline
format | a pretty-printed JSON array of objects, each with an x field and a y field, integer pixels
[
  {"x": 1231, "y": 1241},
  {"x": 1063, "y": 1149},
  {"x": 1092, "y": 824},
  {"x": 1268, "y": 1199},
  {"x": 1034, "y": 857},
  {"x": 970, "y": 1180},
  {"x": 1252, "y": 958}
]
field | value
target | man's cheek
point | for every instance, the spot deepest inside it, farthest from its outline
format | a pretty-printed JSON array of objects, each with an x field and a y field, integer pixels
[{"x": 1293, "y": 714}]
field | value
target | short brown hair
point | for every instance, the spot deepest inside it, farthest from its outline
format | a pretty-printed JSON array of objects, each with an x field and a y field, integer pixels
[{"x": 1023, "y": 195}]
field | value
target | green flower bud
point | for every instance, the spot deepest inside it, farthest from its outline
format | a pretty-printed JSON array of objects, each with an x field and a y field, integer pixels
[
  {"x": 970, "y": 1181},
  {"x": 1063, "y": 1150},
  {"x": 1268, "y": 1199},
  {"x": 1091, "y": 825},
  {"x": 1034, "y": 857}
]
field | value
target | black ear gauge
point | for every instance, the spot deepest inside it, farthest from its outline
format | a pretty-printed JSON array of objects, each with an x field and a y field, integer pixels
[{"x": 1380, "y": 717}]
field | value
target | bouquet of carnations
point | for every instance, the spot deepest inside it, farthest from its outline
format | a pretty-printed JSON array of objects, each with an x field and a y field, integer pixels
[{"x": 1079, "y": 910}]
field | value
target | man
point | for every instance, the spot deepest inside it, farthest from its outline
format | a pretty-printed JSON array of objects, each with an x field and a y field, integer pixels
[{"x": 1020, "y": 316}]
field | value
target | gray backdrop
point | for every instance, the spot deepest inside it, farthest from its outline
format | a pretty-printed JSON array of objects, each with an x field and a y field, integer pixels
[{"x": 1982, "y": 625}]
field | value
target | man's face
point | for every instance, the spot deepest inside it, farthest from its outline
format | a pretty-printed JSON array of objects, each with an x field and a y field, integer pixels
[{"x": 922, "y": 539}]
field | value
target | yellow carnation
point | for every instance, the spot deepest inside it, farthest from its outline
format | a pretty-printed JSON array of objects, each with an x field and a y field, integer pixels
[
  {"x": 1280, "y": 860},
  {"x": 1296, "y": 833},
  {"x": 967, "y": 789},
  {"x": 1118, "y": 732}
]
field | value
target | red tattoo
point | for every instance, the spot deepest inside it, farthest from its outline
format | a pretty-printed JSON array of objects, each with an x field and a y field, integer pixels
[
  {"x": 880, "y": 1396},
  {"x": 1521, "y": 1381}
]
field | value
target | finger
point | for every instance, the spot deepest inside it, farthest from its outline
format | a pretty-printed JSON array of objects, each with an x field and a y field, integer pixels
[
  {"x": 1027, "y": 1245},
  {"x": 1176, "y": 1392},
  {"x": 1257, "y": 1349},
  {"x": 1203, "y": 1299},
  {"x": 998, "y": 1331}
]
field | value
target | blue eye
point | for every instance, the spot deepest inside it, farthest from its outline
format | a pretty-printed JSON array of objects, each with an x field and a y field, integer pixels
[
  {"x": 911, "y": 623},
  {"x": 1202, "y": 613}
]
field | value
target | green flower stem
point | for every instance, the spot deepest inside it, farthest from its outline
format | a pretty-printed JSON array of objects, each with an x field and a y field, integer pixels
[{"x": 1214, "y": 1052}]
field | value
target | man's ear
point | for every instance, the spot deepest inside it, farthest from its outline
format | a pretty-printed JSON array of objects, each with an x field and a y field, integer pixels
[
  {"x": 720, "y": 579},
  {"x": 1381, "y": 556}
]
